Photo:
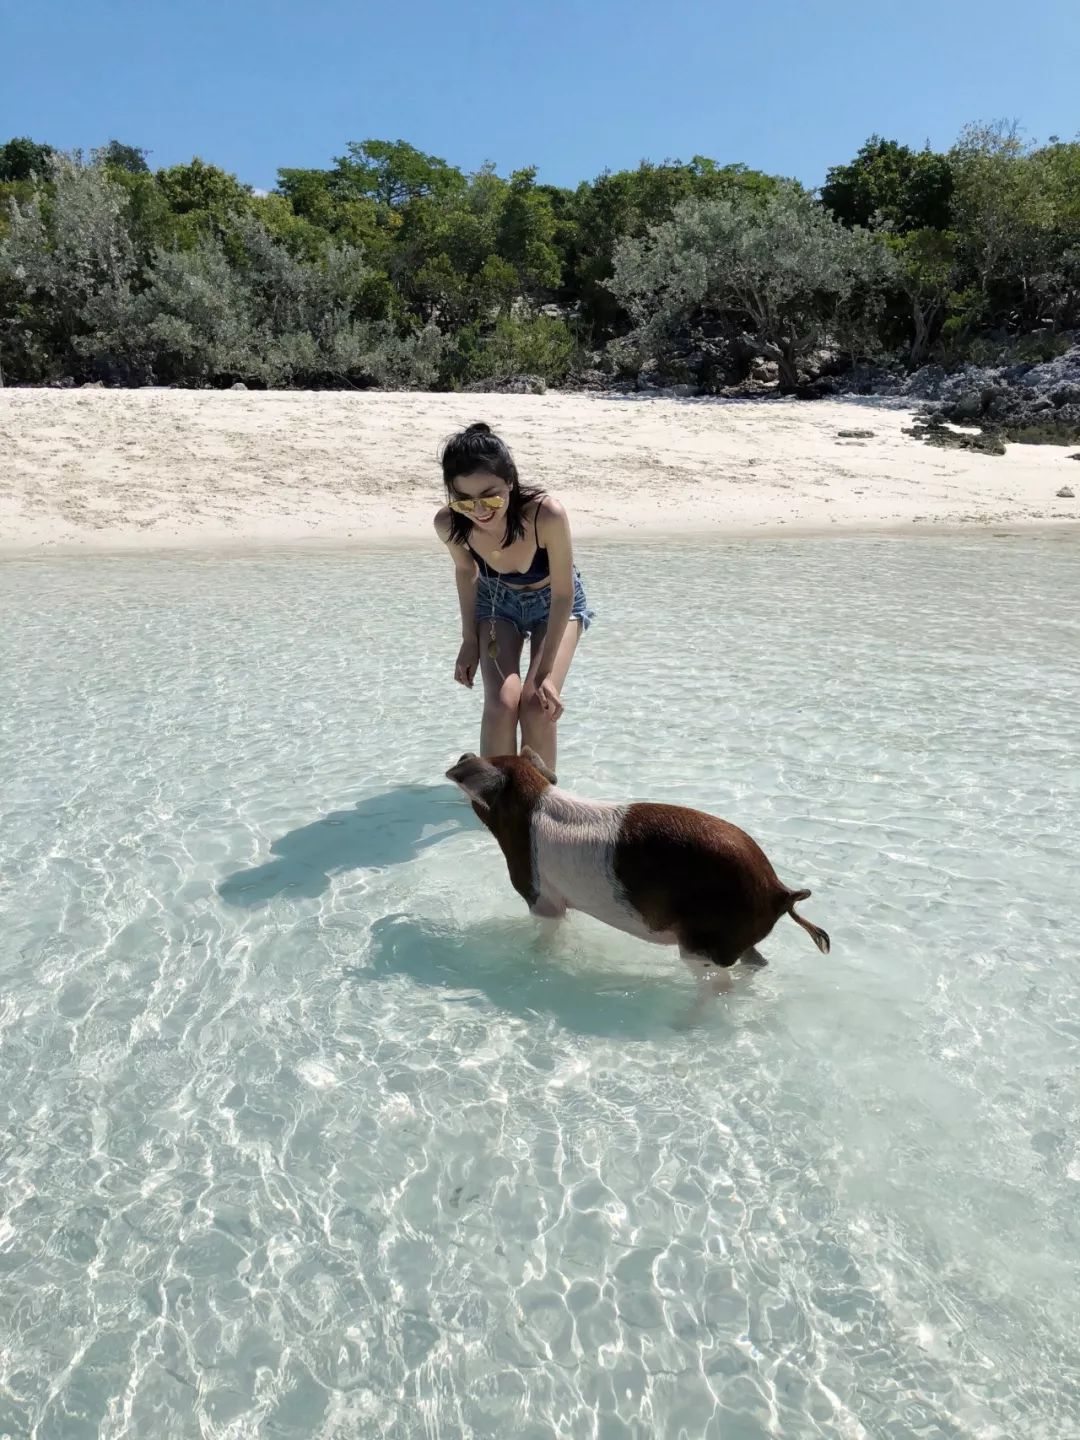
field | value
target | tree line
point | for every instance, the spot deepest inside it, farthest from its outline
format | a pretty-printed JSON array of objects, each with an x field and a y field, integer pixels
[{"x": 393, "y": 267}]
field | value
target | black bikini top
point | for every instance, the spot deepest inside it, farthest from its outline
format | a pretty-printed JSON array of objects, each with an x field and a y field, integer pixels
[{"x": 539, "y": 566}]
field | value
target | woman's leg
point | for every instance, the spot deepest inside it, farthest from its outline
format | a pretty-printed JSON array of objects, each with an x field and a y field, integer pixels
[
  {"x": 538, "y": 728},
  {"x": 502, "y": 688}
]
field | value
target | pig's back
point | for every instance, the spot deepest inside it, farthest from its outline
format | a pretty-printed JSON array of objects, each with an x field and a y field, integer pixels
[{"x": 574, "y": 845}]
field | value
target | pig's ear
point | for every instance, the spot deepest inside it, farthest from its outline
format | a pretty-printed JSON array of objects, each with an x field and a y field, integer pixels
[
  {"x": 529, "y": 754},
  {"x": 482, "y": 782}
]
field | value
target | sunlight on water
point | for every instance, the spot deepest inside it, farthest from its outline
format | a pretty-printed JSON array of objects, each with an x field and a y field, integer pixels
[{"x": 305, "y": 1130}]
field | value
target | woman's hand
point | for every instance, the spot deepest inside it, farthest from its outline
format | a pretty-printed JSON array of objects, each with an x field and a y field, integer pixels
[
  {"x": 467, "y": 660},
  {"x": 544, "y": 694}
]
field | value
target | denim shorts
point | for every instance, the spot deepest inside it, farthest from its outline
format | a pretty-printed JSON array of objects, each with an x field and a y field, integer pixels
[{"x": 526, "y": 609}]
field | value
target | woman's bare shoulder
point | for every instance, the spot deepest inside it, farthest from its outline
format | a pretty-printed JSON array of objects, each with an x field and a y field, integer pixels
[
  {"x": 550, "y": 514},
  {"x": 442, "y": 524}
]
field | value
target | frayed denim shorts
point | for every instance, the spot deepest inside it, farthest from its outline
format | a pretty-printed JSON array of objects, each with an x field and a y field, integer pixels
[{"x": 526, "y": 609}]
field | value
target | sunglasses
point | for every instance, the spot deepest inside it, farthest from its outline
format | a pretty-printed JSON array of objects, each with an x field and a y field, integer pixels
[{"x": 488, "y": 502}]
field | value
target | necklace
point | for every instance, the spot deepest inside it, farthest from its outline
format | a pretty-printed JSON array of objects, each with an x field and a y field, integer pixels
[{"x": 493, "y": 639}]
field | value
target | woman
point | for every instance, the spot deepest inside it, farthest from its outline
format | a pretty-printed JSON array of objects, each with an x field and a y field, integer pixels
[{"x": 516, "y": 576}]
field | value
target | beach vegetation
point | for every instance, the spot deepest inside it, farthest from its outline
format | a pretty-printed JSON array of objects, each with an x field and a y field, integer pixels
[
  {"x": 777, "y": 265},
  {"x": 393, "y": 266}
]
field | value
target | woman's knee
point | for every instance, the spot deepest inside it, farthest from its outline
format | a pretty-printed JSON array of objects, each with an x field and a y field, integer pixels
[
  {"x": 505, "y": 702},
  {"x": 536, "y": 722}
]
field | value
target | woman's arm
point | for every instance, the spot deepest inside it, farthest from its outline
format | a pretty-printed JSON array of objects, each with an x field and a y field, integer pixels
[
  {"x": 553, "y": 531},
  {"x": 466, "y": 573}
]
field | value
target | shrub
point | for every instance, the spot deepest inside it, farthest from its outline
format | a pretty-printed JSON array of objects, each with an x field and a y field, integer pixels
[{"x": 521, "y": 344}]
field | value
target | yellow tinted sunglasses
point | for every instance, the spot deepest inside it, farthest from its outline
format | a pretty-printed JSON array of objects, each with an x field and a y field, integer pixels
[{"x": 468, "y": 507}]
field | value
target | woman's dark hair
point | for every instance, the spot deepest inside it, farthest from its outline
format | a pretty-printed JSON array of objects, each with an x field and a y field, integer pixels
[{"x": 477, "y": 447}]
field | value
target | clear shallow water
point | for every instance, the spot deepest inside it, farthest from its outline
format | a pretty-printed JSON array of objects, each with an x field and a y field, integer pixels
[{"x": 304, "y": 1133}]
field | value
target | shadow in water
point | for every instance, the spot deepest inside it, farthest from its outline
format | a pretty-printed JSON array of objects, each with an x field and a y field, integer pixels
[
  {"x": 386, "y": 829},
  {"x": 528, "y": 972}
]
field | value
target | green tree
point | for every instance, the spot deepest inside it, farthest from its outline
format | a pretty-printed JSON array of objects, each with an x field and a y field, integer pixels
[
  {"x": 531, "y": 345},
  {"x": 202, "y": 199},
  {"x": 23, "y": 158},
  {"x": 436, "y": 258},
  {"x": 777, "y": 265},
  {"x": 393, "y": 172},
  {"x": 256, "y": 312},
  {"x": 465, "y": 254},
  {"x": 124, "y": 157},
  {"x": 298, "y": 234},
  {"x": 368, "y": 267},
  {"x": 626, "y": 204},
  {"x": 1005, "y": 225},
  {"x": 928, "y": 272},
  {"x": 1055, "y": 282},
  {"x": 318, "y": 197},
  {"x": 526, "y": 235},
  {"x": 66, "y": 259},
  {"x": 888, "y": 183}
]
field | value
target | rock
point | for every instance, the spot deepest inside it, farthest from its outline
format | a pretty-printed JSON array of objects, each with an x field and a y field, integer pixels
[
  {"x": 925, "y": 384},
  {"x": 117, "y": 372},
  {"x": 968, "y": 406},
  {"x": 818, "y": 389},
  {"x": 873, "y": 380},
  {"x": 67, "y": 383},
  {"x": 722, "y": 363},
  {"x": 817, "y": 364},
  {"x": 1066, "y": 493},
  {"x": 589, "y": 380},
  {"x": 1075, "y": 456},
  {"x": 524, "y": 385},
  {"x": 94, "y": 385},
  {"x": 509, "y": 385},
  {"x": 238, "y": 385},
  {"x": 1031, "y": 403},
  {"x": 935, "y": 432},
  {"x": 765, "y": 372},
  {"x": 855, "y": 434}
]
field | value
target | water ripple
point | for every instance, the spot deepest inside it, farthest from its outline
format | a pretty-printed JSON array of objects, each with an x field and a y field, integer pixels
[{"x": 306, "y": 1131}]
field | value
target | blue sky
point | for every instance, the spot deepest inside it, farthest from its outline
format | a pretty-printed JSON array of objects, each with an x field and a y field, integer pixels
[{"x": 789, "y": 86}]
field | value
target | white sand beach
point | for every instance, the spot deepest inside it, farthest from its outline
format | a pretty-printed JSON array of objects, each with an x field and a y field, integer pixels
[{"x": 100, "y": 470}]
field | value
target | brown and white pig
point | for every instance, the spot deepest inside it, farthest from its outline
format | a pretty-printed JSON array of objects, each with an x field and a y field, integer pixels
[{"x": 665, "y": 873}]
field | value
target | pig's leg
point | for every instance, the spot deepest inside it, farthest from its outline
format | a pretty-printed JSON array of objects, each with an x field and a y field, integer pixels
[
  {"x": 712, "y": 981},
  {"x": 753, "y": 956},
  {"x": 709, "y": 960},
  {"x": 549, "y": 913},
  {"x": 718, "y": 951},
  {"x": 545, "y": 907}
]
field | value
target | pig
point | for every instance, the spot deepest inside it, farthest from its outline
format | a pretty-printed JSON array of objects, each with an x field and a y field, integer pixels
[{"x": 667, "y": 874}]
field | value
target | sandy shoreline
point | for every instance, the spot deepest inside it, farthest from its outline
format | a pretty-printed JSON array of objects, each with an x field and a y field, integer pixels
[{"x": 87, "y": 471}]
